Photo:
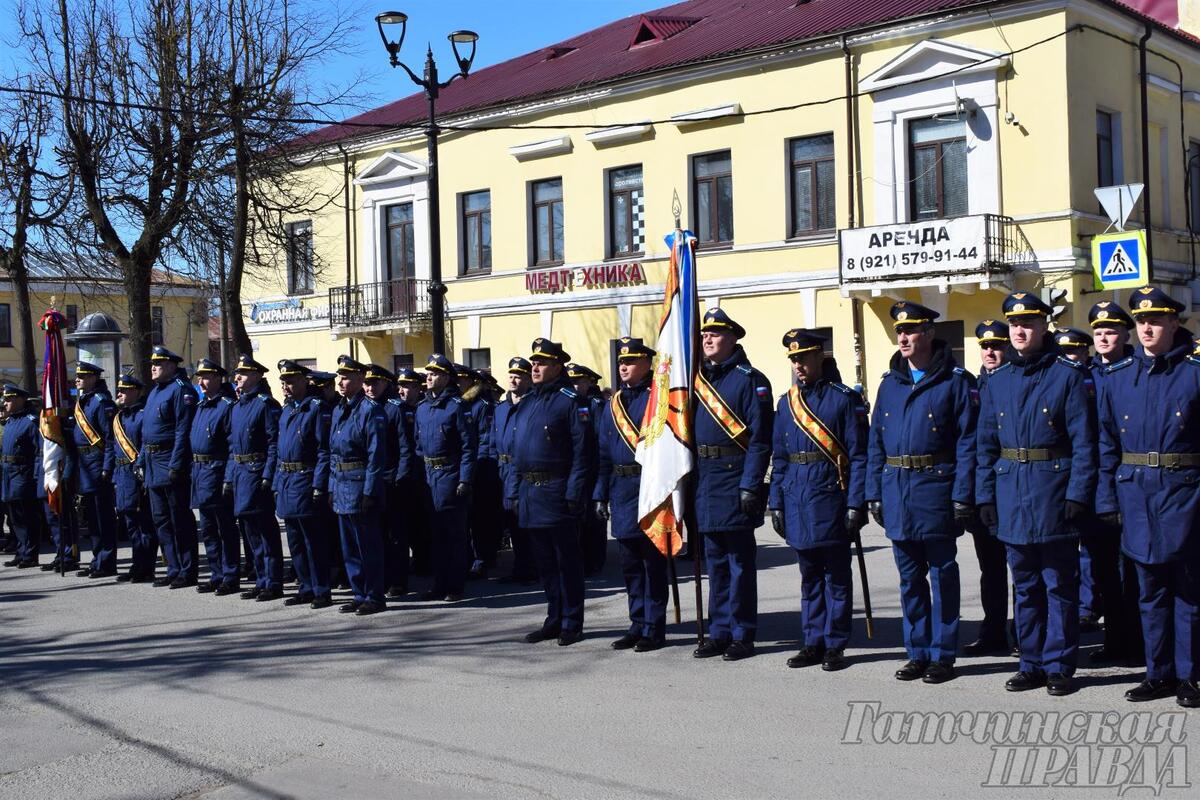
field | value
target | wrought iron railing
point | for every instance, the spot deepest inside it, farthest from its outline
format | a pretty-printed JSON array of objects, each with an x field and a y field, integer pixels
[{"x": 405, "y": 300}]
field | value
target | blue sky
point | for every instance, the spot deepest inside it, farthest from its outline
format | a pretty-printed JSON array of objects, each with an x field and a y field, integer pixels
[{"x": 506, "y": 28}]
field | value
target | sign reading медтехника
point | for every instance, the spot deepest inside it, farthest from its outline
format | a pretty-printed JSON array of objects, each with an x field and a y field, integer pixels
[
  {"x": 915, "y": 248},
  {"x": 564, "y": 279}
]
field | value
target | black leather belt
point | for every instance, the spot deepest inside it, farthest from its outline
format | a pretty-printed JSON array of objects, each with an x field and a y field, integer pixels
[
  {"x": 540, "y": 478},
  {"x": 718, "y": 451},
  {"x": 346, "y": 466},
  {"x": 122, "y": 461},
  {"x": 1163, "y": 460},
  {"x": 627, "y": 470},
  {"x": 17, "y": 459},
  {"x": 249, "y": 458},
  {"x": 87, "y": 448},
  {"x": 1027, "y": 454},
  {"x": 434, "y": 462},
  {"x": 810, "y": 457},
  {"x": 201, "y": 458},
  {"x": 160, "y": 448},
  {"x": 295, "y": 466},
  {"x": 923, "y": 461}
]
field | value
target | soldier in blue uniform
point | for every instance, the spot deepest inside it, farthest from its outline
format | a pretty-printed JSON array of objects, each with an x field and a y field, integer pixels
[
  {"x": 618, "y": 481},
  {"x": 487, "y": 494},
  {"x": 920, "y": 484},
  {"x": 131, "y": 500},
  {"x": 552, "y": 444},
  {"x": 94, "y": 410},
  {"x": 324, "y": 385},
  {"x": 301, "y": 485},
  {"x": 210, "y": 456},
  {"x": 992, "y": 337},
  {"x": 412, "y": 493},
  {"x": 250, "y": 474},
  {"x": 819, "y": 463},
  {"x": 1150, "y": 467},
  {"x": 447, "y": 443},
  {"x": 733, "y": 427},
  {"x": 1116, "y": 572},
  {"x": 21, "y": 446},
  {"x": 166, "y": 464},
  {"x": 593, "y": 531},
  {"x": 357, "y": 455},
  {"x": 378, "y": 387},
  {"x": 1035, "y": 479},
  {"x": 519, "y": 383}
]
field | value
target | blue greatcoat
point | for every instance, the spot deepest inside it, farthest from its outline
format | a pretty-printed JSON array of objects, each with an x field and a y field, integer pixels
[
  {"x": 620, "y": 491},
  {"x": 813, "y": 505},
  {"x": 166, "y": 425},
  {"x": 1041, "y": 402},
  {"x": 129, "y": 493},
  {"x": 22, "y": 446},
  {"x": 356, "y": 437},
  {"x": 937, "y": 416},
  {"x": 1152, "y": 405},
  {"x": 253, "y": 430},
  {"x": 551, "y": 433},
  {"x": 748, "y": 394},
  {"x": 446, "y": 433},
  {"x": 99, "y": 409},
  {"x": 302, "y": 438},
  {"x": 210, "y": 438}
]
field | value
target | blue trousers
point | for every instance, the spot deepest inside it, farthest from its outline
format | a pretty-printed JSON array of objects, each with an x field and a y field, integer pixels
[
  {"x": 1046, "y": 577},
  {"x": 929, "y": 597},
  {"x": 102, "y": 525},
  {"x": 143, "y": 539},
  {"x": 222, "y": 544},
  {"x": 172, "y": 513},
  {"x": 560, "y": 565},
  {"x": 1090, "y": 596},
  {"x": 25, "y": 517},
  {"x": 1170, "y": 596},
  {"x": 262, "y": 532},
  {"x": 993, "y": 586},
  {"x": 450, "y": 552},
  {"x": 309, "y": 546},
  {"x": 645, "y": 571},
  {"x": 395, "y": 537},
  {"x": 827, "y": 595},
  {"x": 362, "y": 543},
  {"x": 731, "y": 558}
]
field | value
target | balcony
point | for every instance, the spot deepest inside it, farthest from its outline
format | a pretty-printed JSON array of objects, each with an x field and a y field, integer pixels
[
  {"x": 397, "y": 306},
  {"x": 960, "y": 253}
]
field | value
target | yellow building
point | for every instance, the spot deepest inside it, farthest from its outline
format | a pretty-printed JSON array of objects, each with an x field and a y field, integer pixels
[
  {"x": 179, "y": 311},
  {"x": 832, "y": 157}
]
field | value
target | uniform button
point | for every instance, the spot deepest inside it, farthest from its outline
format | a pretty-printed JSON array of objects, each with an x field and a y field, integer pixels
[
  {"x": 931, "y": 415},
  {"x": 934, "y": 428}
]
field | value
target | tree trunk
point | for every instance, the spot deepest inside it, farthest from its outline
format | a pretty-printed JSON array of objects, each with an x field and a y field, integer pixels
[
  {"x": 241, "y": 226},
  {"x": 20, "y": 281},
  {"x": 137, "y": 287}
]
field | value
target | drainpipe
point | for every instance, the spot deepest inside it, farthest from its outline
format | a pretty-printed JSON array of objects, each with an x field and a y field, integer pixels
[
  {"x": 1146, "y": 195},
  {"x": 860, "y": 367},
  {"x": 346, "y": 205}
]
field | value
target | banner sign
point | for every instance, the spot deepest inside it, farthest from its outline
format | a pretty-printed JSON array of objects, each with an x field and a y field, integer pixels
[
  {"x": 939, "y": 246},
  {"x": 289, "y": 311},
  {"x": 600, "y": 276}
]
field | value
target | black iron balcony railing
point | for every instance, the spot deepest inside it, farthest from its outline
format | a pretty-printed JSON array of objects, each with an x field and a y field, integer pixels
[{"x": 404, "y": 301}]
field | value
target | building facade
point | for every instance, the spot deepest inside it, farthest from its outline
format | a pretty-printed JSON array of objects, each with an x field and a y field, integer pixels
[{"x": 830, "y": 157}]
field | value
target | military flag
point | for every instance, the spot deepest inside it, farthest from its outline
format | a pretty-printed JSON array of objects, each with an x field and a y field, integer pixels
[{"x": 54, "y": 407}]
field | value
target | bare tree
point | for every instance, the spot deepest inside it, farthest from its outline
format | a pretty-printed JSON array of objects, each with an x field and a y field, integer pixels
[{"x": 34, "y": 193}]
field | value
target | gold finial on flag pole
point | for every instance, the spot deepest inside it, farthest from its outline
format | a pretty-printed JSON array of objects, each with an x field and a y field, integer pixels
[
  {"x": 676, "y": 208},
  {"x": 54, "y": 302}
]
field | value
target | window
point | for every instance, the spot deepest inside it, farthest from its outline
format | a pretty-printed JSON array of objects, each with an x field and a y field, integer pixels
[
  {"x": 547, "y": 222},
  {"x": 625, "y": 233},
  {"x": 478, "y": 358},
  {"x": 5, "y": 325},
  {"x": 400, "y": 251},
  {"x": 299, "y": 257},
  {"x": 712, "y": 198},
  {"x": 1106, "y": 149},
  {"x": 156, "y": 325},
  {"x": 476, "y": 232},
  {"x": 1194, "y": 185},
  {"x": 812, "y": 184},
  {"x": 937, "y": 162},
  {"x": 72, "y": 317},
  {"x": 951, "y": 332},
  {"x": 401, "y": 361}
]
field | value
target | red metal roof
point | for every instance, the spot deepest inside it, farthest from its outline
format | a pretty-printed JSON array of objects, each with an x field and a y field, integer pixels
[{"x": 686, "y": 33}]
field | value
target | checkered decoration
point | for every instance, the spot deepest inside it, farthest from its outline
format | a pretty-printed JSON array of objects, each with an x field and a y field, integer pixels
[{"x": 639, "y": 226}]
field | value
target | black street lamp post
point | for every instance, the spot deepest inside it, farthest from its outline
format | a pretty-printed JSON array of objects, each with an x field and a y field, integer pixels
[{"x": 432, "y": 87}]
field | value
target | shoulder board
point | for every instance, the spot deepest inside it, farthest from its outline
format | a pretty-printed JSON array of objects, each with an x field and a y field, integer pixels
[
  {"x": 843, "y": 388},
  {"x": 746, "y": 369},
  {"x": 394, "y": 401},
  {"x": 1003, "y": 366},
  {"x": 1125, "y": 362},
  {"x": 455, "y": 399},
  {"x": 1191, "y": 359},
  {"x": 226, "y": 400},
  {"x": 959, "y": 371},
  {"x": 884, "y": 375},
  {"x": 1072, "y": 364},
  {"x": 264, "y": 398},
  {"x": 569, "y": 393}
]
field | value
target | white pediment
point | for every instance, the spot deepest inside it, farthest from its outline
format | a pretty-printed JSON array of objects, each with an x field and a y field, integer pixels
[
  {"x": 391, "y": 167},
  {"x": 930, "y": 59}
]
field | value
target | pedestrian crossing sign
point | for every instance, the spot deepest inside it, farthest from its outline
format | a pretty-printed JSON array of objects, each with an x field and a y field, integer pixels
[{"x": 1119, "y": 260}]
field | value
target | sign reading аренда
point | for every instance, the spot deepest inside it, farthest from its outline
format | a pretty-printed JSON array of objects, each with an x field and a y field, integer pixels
[{"x": 915, "y": 248}]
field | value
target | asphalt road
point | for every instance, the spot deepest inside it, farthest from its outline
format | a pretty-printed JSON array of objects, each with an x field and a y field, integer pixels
[{"x": 118, "y": 691}]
